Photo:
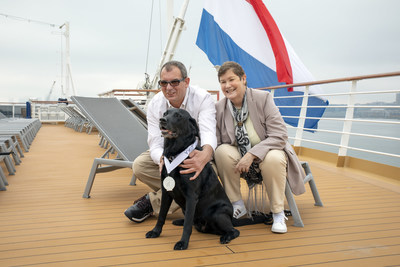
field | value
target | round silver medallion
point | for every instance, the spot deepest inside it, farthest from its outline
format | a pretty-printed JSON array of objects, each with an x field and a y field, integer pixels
[{"x": 169, "y": 183}]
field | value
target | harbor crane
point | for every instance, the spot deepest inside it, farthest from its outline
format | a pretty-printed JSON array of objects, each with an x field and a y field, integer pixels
[{"x": 51, "y": 91}]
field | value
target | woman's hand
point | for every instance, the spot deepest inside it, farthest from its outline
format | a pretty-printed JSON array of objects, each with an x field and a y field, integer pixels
[{"x": 244, "y": 163}]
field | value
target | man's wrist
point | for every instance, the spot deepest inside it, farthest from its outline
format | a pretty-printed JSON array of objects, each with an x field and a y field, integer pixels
[{"x": 209, "y": 151}]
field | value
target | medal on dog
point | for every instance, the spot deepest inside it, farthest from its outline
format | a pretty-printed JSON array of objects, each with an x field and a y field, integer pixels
[{"x": 169, "y": 183}]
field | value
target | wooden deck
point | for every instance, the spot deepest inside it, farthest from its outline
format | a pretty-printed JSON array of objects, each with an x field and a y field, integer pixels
[{"x": 45, "y": 221}]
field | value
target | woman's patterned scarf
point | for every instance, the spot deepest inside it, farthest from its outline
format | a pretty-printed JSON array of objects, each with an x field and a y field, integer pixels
[{"x": 252, "y": 177}]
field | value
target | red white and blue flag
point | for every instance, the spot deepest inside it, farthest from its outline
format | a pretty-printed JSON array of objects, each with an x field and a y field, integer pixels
[{"x": 245, "y": 32}]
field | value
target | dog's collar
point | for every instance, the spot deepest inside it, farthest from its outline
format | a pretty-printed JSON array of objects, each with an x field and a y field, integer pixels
[{"x": 179, "y": 158}]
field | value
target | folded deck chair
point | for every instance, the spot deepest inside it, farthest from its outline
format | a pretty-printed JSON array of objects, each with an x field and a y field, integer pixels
[
  {"x": 136, "y": 109},
  {"x": 3, "y": 179},
  {"x": 119, "y": 127},
  {"x": 6, "y": 151},
  {"x": 12, "y": 145},
  {"x": 24, "y": 129}
]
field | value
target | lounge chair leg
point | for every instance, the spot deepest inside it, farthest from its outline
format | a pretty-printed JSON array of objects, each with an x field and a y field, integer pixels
[
  {"x": 315, "y": 193},
  {"x": 15, "y": 156},
  {"x": 133, "y": 180},
  {"x": 310, "y": 179},
  {"x": 90, "y": 181},
  {"x": 3, "y": 181},
  {"x": 2, "y": 185},
  {"x": 10, "y": 165},
  {"x": 20, "y": 150},
  {"x": 293, "y": 207}
]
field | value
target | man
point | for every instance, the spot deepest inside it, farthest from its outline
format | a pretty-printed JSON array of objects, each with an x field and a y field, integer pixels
[{"x": 176, "y": 93}]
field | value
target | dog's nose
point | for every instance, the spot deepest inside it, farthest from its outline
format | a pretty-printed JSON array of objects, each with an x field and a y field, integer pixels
[{"x": 163, "y": 120}]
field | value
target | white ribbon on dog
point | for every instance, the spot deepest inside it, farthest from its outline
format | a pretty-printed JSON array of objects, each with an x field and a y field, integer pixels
[{"x": 178, "y": 159}]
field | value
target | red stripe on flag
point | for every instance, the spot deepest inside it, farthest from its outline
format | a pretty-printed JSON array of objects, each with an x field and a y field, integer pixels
[{"x": 283, "y": 66}]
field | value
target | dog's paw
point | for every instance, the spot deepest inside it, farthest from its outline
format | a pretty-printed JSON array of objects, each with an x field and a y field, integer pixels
[
  {"x": 178, "y": 222},
  {"x": 152, "y": 234},
  {"x": 225, "y": 239},
  {"x": 181, "y": 245}
]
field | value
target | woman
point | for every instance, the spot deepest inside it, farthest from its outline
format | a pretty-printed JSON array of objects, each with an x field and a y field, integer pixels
[{"x": 253, "y": 144}]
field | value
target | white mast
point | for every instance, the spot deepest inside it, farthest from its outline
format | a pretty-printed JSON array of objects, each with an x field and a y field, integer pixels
[
  {"x": 170, "y": 14},
  {"x": 68, "y": 75},
  {"x": 172, "y": 41}
]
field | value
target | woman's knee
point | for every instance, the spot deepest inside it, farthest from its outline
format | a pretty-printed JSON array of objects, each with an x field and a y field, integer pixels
[
  {"x": 275, "y": 157},
  {"x": 274, "y": 162},
  {"x": 225, "y": 153}
]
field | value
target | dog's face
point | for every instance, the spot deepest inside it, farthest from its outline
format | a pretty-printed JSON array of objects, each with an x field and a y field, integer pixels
[{"x": 178, "y": 123}]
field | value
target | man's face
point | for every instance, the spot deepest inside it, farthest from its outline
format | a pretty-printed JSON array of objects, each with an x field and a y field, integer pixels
[{"x": 174, "y": 93}]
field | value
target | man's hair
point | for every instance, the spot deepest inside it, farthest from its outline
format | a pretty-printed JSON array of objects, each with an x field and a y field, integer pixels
[
  {"x": 168, "y": 67},
  {"x": 231, "y": 65}
]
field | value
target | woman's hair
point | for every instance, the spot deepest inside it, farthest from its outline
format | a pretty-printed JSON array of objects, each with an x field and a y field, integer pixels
[
  {"x": 231, "y": 65},
  {"x": 168, "y": 67}
]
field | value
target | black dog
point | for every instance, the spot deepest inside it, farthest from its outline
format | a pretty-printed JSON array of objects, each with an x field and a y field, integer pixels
[{"x": 203, "y": 200}]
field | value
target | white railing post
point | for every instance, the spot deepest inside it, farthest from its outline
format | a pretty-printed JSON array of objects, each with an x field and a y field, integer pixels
[
  {"x": 272, "y": 92},
  {"x": 33, "y": 109},
  {"x": 302, "y": 119},
  {"x": 348, "y": 121},
  {"x": 40, "y": 113},
  {"x": 13, "y": 110}
]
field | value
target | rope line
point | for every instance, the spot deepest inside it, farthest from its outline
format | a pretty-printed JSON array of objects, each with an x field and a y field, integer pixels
[{"x": 28, "y": 20}]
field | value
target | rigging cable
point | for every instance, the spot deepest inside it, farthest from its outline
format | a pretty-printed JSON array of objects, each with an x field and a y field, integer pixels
[
  {"x": 161, "y": 42},
  {"x": 148, "y": 42},
  {"x": 28, "y": 20}
]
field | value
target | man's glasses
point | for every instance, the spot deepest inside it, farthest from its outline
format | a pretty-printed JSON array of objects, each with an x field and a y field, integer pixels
[{"x": 173, "y": 83}]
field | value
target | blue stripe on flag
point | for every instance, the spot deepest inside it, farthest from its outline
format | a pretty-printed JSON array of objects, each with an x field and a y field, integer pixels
[
  {"x": 219, "y": 48},
  {"x": 316, "y": 112}
]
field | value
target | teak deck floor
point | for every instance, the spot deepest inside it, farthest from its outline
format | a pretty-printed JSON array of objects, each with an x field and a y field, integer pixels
[{"x": 45, "y": 221}]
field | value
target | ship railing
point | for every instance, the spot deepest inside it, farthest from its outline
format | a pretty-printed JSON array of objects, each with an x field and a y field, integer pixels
[
  {"x": 13, "y": 109},
  {"x": 49, "y": 111},
  {"x": 142, "y": 95},
  {"x": 361, "y": 121}
]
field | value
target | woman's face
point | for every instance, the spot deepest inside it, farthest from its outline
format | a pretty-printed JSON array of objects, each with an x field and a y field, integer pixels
[{"x": 233, "y": 87}]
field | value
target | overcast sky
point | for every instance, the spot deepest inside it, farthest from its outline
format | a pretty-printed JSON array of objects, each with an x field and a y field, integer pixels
[{"x": 109, "y": 40}]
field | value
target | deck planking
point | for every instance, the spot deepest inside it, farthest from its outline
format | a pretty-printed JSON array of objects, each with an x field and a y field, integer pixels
[{"x": 46, "y": 222}]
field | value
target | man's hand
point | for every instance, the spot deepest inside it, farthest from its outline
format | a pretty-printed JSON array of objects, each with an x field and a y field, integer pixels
[
  {"x": 196, "y": 161},
  {"x": 244, "y": 163},
  {"x": 161, "y": 164}
]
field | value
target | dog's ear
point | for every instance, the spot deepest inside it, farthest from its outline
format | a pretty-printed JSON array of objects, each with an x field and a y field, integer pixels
[{"x": 194, "y": 126}]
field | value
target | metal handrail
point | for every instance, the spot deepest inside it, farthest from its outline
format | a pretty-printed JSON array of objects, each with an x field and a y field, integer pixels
[
  {"x": 343, "y": 94},
  {"x": 352, "y": 148},
  {"x": 355, "y": 134},
  {"x": 343, "y": 106},
  {"x": 342, "y": 119},
  {"x": 348, "y": 119},
  {"x": 347, "y": 79}
]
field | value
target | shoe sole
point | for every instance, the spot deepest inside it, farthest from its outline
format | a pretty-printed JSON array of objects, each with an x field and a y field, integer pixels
[
  {"x": 135, "y": 219},
  {"x": 279, "y": 231}
]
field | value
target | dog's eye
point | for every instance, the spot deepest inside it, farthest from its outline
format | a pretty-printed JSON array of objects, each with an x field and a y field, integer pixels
[{"x": 177, "y": 115}]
